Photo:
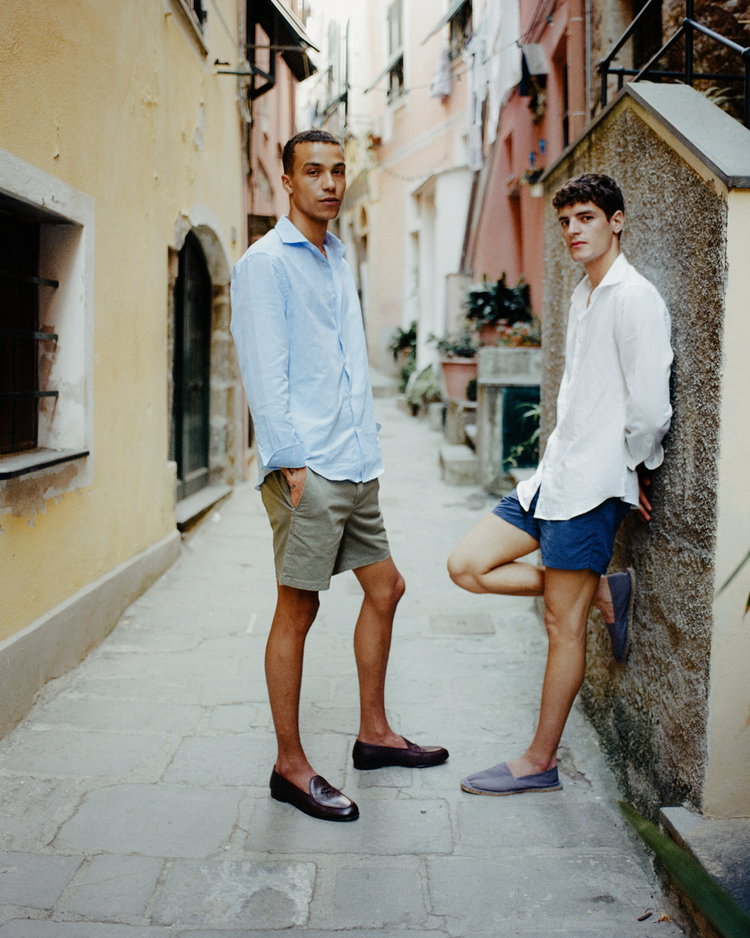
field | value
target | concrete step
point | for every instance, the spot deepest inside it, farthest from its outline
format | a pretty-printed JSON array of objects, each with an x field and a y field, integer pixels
[
  {"x": 721, "y": 846},
  {"x": 459, "y": 465},
  {"x": 190, "y": 509}
]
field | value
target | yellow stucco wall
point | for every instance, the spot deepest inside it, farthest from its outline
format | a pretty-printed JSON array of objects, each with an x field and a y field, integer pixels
[
  {"x": 727, "y": 791},
  {"x": 113, "y": 99}
]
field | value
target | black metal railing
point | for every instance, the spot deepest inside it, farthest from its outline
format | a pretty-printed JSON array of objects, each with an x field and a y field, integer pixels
[{"x": 688, "y": 29}]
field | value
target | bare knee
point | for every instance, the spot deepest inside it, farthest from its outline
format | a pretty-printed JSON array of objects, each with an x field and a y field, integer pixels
[
  {"x": 462, "y": 572},
  {"x": 296, "y": 609},
  {"x": 386, "y": 596},
  {"x": 564, "y": 629}
]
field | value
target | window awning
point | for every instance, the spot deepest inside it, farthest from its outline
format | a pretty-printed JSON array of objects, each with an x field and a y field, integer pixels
[
  {"x": 393, "y": 62},
  {"x": 533, "y": 66},
  {"x": 284, "y": 29},
  {"x": 454, "y": 8},
  {"x": 535, "y": 59}
]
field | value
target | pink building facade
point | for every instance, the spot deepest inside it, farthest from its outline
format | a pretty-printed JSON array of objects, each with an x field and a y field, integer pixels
[{"x": 541, "y": 115}]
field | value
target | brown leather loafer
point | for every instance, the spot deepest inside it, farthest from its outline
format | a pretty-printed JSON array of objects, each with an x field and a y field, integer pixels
[
  {"x": 324, "y": 801},
  {"x": 367, "y": 756}
]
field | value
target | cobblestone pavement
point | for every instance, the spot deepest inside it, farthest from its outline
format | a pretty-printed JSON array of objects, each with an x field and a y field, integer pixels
[{"x": 134, "y": 798}]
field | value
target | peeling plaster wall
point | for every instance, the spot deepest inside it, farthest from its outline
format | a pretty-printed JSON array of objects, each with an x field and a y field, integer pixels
[
  {"x": 652, "y": 714},
  {"x": 128, "y": 111}
]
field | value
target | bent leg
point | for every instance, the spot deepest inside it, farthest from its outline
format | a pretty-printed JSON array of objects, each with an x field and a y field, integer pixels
[
  {"x": 486, "y": 560},
  {"x": 568, "y": 595},
  {"x": 384, "y": 586},
  {"x": 295, "y": 613}
]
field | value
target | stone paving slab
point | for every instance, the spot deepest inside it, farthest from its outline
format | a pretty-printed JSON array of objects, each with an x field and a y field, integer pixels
[
  {"x": 112, "y": 887},
  {"x": 55, "y": 752},
  {"x": 135, "y": 716},
  {"x": 249, "y": 894},
  {"x": 583, "y": 892},
  {"x": 244, "y": 760},
  {"x": 367, "y": 898},
  {"x": 32, "y": 810},
  {"x": 23, "y": 928},
  {"x": 120, "y": 688},
  {"x": 154, "y": 820},
  {"x": 537, "y": 826},
  {"x": 35, "y": 881},
  {"x": 310, "y": 933},
  {"x": 396, "y": 826}
]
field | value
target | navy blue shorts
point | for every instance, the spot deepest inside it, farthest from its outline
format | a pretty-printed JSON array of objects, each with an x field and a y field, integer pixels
[{"x": 584, "y": 542}]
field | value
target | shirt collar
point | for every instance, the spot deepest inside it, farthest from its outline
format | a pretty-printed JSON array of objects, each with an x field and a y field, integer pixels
[
  {"x": 614, "y": 275},
  {"x": 290, "y": 234}
]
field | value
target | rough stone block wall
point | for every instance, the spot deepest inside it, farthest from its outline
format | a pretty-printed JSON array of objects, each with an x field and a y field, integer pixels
[{"x": 652, "y": 713}]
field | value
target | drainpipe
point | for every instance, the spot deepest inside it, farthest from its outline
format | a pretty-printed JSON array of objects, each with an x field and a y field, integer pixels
[
  {"x": 576, "y": 68},
  {"x": 589, "y": 60}
]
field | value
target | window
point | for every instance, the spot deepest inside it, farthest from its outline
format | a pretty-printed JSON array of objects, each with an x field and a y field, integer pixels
[
  {"x": 193, "y": 14},
  {"x": 395, "y": 51},
  {"x": 46, "y": 329},
  {"x": 20, "y": 335},
  {"x": 460, "y": 27},
  {"x": 196, "y": 12}
]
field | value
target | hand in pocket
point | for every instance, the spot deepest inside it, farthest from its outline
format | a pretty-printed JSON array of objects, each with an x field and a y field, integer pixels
[{"x": 296, "y": 479}]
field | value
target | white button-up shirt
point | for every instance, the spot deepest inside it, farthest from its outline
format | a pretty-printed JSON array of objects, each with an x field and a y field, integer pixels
[
  {"x": 297, "y": 327},
  {"x": 613, "y": 405}
]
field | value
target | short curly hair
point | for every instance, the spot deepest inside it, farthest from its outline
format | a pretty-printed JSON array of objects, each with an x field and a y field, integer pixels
[
  {"x": 602, "y": 190},
  {"x": 305, "y": 136}
]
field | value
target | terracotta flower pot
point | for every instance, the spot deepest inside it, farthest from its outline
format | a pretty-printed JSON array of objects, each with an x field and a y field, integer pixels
[
  {"x": 457, "y": 373},
  {"x": 488, "y": 333}
]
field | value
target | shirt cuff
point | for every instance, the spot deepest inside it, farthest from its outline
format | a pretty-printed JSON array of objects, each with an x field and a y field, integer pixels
[
  {"x": 652, "y": 461},
  {"x": 655, "y": 459},
  {"x": 290, "y": 457}
]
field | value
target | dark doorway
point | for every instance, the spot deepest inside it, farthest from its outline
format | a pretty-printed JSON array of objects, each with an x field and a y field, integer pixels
[{"x": 191, "y": 370}]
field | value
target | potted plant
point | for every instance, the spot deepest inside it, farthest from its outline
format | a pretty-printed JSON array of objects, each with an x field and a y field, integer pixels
[
  {"x": 423, "y": 389},
  {"x": 403, "y": 347},
  {"x": 493, "y": 307},
  {"x": 521, "y": 334},
  {"x": 458, "y": 360}
]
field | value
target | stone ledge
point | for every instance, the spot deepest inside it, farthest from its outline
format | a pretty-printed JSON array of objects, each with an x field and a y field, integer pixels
[
  {"x": 459, "y": 465},
  {"x": 190, "y": 508},
  {"x": 720, "y": 845},
  {"x": 719, "y": 141}
]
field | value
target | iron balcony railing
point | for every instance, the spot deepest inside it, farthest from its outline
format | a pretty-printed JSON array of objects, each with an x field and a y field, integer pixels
[{"x": 688, "y": 29}]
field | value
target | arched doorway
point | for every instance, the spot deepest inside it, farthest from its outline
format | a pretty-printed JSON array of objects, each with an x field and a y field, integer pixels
[{"x": 191, "y": 369}]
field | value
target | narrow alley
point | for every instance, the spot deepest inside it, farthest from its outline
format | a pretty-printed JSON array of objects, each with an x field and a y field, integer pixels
[{"x": 134, "y": 798}]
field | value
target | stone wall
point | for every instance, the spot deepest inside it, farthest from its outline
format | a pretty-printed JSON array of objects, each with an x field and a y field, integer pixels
[{"x": 652, "y": 713}]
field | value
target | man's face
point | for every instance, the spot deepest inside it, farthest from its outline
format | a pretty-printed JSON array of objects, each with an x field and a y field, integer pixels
[
  {"x": 587, "y": 231},
  {"x": 317, "y": 183}
]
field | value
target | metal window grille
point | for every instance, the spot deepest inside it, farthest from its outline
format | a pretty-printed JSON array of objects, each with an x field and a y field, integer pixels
[{"x": 20, "y": 336}]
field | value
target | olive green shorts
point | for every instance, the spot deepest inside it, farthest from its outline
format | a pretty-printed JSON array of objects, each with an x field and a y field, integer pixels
[{"x": 336, "y": 526}]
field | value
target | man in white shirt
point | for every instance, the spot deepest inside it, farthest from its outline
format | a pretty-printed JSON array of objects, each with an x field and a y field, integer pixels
[
  {"x": 297, "y": 327},
  {"x": 612, "y": 412}
]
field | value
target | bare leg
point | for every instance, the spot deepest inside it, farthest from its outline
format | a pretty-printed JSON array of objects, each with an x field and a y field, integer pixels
[
  {"x": 603, "y": 601},
  {"x": 295, "y": 613},
  {"x": 384, "y": 587},
  {"x": 567, "y": 597},
  {"x": 486, "y": 560}
]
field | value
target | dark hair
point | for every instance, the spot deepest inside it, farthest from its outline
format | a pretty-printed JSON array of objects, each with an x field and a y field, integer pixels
[
  {"x": 602, "y": 190},
  {"x": 305, "y": 136}
]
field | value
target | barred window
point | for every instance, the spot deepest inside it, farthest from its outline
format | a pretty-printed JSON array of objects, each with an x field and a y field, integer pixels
[
  {"x": 395, "y": 51},
  {"x": 21, "y": 389}
]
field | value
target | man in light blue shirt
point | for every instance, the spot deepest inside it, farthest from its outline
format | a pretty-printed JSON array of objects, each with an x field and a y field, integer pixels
[{"x": 297, "y": 326}]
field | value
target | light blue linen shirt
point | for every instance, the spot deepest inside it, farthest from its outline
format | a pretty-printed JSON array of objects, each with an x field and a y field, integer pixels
[{"x": 297, "y": 327}]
